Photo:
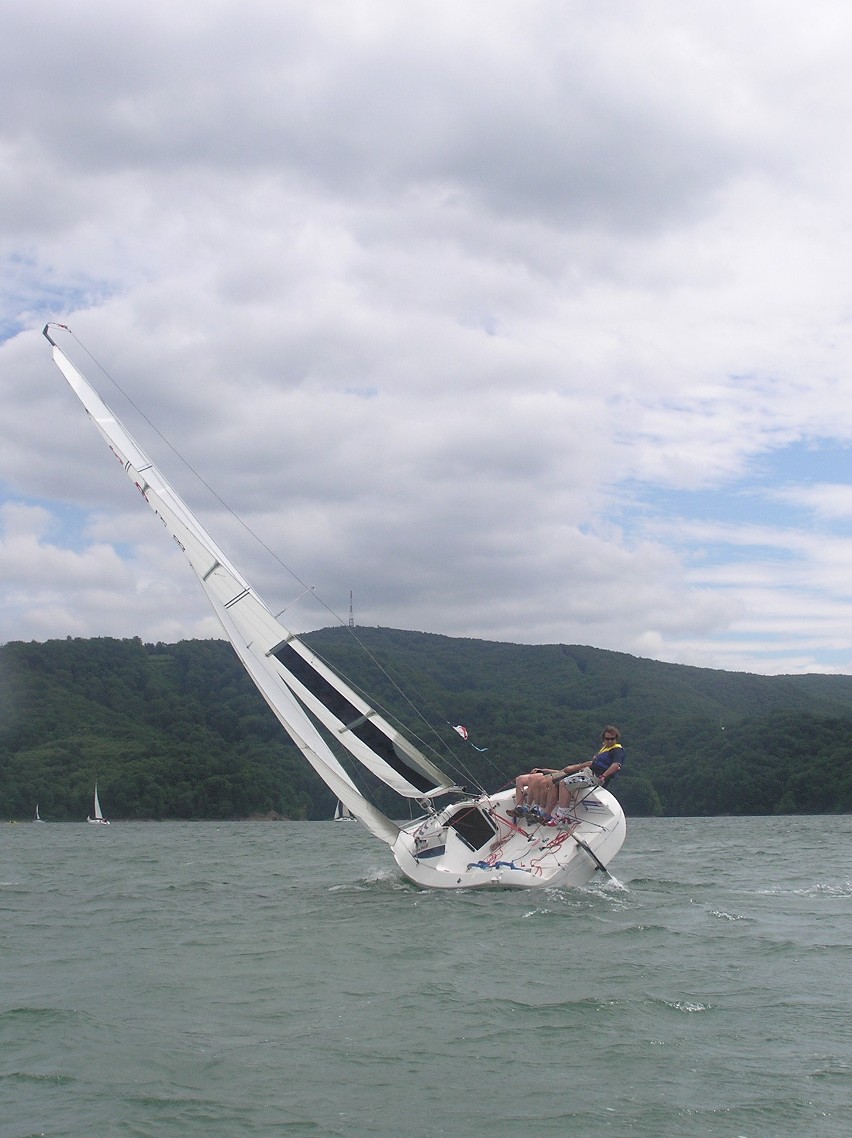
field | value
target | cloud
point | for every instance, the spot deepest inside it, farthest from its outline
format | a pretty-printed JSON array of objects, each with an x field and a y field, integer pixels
[
  {"x": 832, "y": 500},
  {"x": 509, "y": 318}
]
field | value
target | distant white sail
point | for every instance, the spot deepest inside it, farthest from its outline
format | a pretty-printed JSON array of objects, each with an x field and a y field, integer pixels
[{"x": 97, "y": 817}]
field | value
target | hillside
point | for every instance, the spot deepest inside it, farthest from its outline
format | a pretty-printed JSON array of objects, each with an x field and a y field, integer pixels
[{"x": 178, "y": 731}]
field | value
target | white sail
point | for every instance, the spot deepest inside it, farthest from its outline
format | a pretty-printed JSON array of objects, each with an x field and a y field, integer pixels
[
  {"x": 96, "y": 817},
  {"x": 281, "y": 666}
]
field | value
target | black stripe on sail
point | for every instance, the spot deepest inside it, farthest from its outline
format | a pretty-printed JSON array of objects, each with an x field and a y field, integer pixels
[{"x": 346, "y": 713}]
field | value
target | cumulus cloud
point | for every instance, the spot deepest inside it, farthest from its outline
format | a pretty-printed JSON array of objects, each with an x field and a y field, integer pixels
[{"x": 446, "y": 302}]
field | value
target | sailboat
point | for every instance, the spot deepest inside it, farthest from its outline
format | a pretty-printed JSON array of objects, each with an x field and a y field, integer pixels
[
  {"x": 96, "y": 817},
  {"x": 38, "y": 817},
  {"x": 462, "y": 838},
  {"x": 343, "y": 813}
]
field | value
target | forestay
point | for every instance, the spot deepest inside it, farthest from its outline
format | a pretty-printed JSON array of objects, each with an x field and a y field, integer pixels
[{"x": 289, "y": 676}]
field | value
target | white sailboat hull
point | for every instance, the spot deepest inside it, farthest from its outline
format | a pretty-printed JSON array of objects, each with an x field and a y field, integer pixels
[{"x": 476, "y": 845}]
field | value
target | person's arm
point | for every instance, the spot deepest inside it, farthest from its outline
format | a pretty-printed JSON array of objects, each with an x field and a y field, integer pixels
[{"x": 612, "y": 769}]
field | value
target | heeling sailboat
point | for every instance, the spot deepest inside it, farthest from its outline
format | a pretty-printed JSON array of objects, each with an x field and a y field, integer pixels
[{"x": 469, "y": 843}]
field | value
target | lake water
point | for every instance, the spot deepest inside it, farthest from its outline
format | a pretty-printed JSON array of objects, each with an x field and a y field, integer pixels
[{"x": 174, "y": 980}]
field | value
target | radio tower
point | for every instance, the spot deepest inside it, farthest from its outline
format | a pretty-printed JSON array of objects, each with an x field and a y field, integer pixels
[{"x": 351, "y": 613}]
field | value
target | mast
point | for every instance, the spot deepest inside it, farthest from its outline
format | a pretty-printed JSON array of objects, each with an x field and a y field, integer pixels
[{"x": 301, "y": 690}]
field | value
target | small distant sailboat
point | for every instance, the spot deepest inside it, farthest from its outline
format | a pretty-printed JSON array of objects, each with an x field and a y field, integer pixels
[
  {"x": 38, "y": 817},
  {"x": 343, "y": 813},
  {"x": 98, "y": 819}
]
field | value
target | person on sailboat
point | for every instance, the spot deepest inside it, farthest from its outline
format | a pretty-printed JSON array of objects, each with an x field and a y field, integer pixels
[
  {"x": 598, "y": 771},
  {"x": 544, "y": 790}
]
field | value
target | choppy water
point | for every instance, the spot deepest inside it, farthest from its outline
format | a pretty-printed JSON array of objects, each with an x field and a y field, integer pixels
[{"x": 227, "y": 980}]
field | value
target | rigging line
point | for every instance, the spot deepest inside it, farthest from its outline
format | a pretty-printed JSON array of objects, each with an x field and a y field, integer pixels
[
  {"x": 444, "y": 749},
  {"x": 586, "y": 821},
  {"x": 447, "y": 755},
  {"x": 583, "y": 799},
  {"x": 451, "y": 755},
  {"x": 444, "y": 745},
  {"x": 307, "y": 588}
]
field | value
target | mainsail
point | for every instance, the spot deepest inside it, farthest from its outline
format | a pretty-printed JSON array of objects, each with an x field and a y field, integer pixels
[
  {"x": 97, "y": 817},
  {"x": 292, "y": 680}
]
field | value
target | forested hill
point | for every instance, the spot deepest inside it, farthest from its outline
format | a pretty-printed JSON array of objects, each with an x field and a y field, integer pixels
[{"x": 178, "y": 730}]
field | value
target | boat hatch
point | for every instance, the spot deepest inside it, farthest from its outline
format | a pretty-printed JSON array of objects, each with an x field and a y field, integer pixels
[{"x": 473, "y": 827}]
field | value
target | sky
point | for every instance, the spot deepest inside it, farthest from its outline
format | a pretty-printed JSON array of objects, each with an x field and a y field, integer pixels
[{"x": 521, "y": 320}]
